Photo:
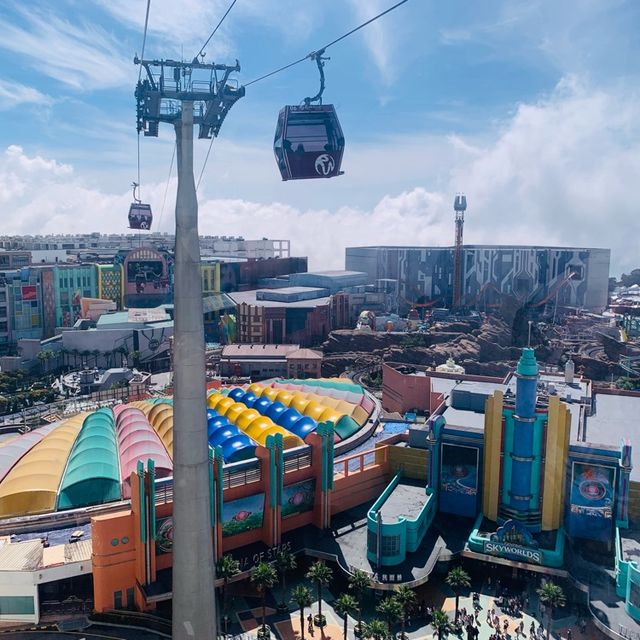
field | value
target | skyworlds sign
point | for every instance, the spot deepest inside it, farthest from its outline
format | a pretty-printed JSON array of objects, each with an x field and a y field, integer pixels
[{"x": 513, "y": 551}]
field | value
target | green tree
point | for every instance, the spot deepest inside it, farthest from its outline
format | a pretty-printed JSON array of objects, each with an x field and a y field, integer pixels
[
  {"x": 375, "y": 629},
  {"x": 552, "y": 597},
  {"x": 226, "y": 569},
  {"x": 301, "y": 595},
  {"x": 322, "y": 576},
  {"x": 264, "y": 577},
  {"x": 440, "y": 623},
  {"x": 391, "y": 610},
  {"x": 346, "y": 604},
  {"x": 359, "y": 583},
  {"x": 285, "y": 562},
  {"x": 406, "y": 598},
  {"x": 458, "y": 579}
]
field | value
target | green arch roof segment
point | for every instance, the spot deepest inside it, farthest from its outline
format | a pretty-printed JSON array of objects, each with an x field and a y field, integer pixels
[
  {"x": 92, "y": 475},
  {"x": 327, "y": 384},
  {"x": 346, "y": 427}
]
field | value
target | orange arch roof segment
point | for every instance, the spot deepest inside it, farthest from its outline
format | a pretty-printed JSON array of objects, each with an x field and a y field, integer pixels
[
  {"x": 32, "y": 485},
  {"x": 285, "y": 397},
  {"x": 270, "y": 393},
  {"x": 314, "y": 410},
  {"x": 256, "y": 388},
  {"x": 246, "y": 418},
  {"x": 213, "y": 400},
  {"x": 234, "y": 411},
  {"x": 330, "y": 415},
  {"x": 299, "y": 402},
  {"x": 223, "y": 405}
]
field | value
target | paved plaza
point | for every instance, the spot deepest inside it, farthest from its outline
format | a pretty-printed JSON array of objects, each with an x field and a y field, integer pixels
[{"x": 246, "y": 616}]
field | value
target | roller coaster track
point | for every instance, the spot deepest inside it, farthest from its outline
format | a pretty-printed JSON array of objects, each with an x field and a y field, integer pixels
[{"x": 631, "y": 364}]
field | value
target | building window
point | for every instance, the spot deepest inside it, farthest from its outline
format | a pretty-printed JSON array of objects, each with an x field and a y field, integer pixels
[
  {"x": 17, "y": 605},
  {"x": 117, "y": 600},
  {"x": 390, "y": 545},
  {"x": 130, "y": 600}
]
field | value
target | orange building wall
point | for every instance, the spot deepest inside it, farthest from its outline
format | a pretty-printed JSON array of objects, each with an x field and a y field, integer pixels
[
  {"x": 116, "y": 568},
  {"x": 113, "y": 566}
]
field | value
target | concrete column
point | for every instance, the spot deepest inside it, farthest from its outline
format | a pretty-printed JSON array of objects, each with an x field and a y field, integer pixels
[{"x": 194, "y": 615}]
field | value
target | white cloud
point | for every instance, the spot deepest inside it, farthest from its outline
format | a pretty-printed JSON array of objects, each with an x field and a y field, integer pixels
[
  {"x": 13, "y": 94},
  {"x": 560, "y": 171},
  {"x": 81, "y": 56},
  {"x": 377, "y": 36}
]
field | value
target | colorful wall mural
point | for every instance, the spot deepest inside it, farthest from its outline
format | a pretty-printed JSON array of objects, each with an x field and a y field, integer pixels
[
  {"x": 591, "y": 501},
  {"x": 298, "y": 498},
  {"x": 242, "y": 515},
  {"x": 459, "y": 480}
]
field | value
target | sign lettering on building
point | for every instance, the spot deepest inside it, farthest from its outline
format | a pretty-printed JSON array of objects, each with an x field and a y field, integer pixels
[{"x": 513, "y": 552}]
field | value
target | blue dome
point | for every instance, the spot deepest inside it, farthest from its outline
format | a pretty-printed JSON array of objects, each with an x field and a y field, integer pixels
[
  {"x": 221, "y": 435},
  {"x": 262, "y": 404},
  {"x": 211, "y": 413},
  {"x": 275, "y": 410},
  {"x": 288, "y": 418},
  {"x": 248, "y": 398},
  {"x": 236, "y": 394},
  {"x": 239, "y": 447},
  {"x": 216, "y": 423},
  {"x": 303, "y": 427}
]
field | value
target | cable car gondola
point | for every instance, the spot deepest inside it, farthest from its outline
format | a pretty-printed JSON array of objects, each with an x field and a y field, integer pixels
[
  {"x": 140, "y": 216},
  {"x": 309, "y": 142}
]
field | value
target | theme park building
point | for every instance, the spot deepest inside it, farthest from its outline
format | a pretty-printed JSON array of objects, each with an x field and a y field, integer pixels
[{"x": 508, "y": 463}]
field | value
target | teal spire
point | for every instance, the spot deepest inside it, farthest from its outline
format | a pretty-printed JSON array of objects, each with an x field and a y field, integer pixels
[{"x": 527, "y": 365}]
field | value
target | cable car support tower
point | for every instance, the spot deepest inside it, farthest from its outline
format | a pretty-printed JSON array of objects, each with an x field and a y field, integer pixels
[{"x": 185, "y": 94}]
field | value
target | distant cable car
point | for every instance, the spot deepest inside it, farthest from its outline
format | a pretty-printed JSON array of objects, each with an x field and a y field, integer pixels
[
  {"x": 140, "y": 216},
  {"x": 309, "y": 142}
]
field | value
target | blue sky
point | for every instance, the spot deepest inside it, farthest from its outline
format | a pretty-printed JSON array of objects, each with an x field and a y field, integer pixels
[{"x": 530, "y": 107}]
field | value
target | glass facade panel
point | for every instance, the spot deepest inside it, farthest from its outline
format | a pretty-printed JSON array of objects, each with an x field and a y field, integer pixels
[{"x": 17, "y": 605}]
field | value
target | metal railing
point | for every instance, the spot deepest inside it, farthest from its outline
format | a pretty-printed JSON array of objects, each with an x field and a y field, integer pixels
[{"x": 358, "y": 462}]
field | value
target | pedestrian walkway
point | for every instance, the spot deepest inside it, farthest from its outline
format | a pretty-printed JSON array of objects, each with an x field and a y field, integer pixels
[{"x": 286, "y": 626}]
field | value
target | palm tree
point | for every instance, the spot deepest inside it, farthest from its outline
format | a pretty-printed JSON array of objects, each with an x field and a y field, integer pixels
[
  {"x": 227, "y": 568},
  {"x": 375, "y": 629},
  {"x": 458, "y": 578},
  {"x": 264, "y": 577},
  {"x": 391, "y": 610},
  {"x": 406, "y": 598},
  {"x": 322, "y": 576},
  {"x": 552, "y": 596},
  {"x": 285, "y": 562},
  {"x": 359, "y": 582},
  {"x": 345, "y": 605},
  {"x": 301, "y": 595},
  {"x": 440, "y": 623}
]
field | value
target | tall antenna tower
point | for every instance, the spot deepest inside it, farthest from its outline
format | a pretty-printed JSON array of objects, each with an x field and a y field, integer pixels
[{"x": 459, "y": 207}]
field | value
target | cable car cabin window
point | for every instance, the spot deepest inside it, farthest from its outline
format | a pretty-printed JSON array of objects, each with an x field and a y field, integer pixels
[{"x": 310, "y": 134}]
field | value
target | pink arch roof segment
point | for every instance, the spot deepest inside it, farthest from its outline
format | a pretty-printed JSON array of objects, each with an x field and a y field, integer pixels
[{"x": 137, "y": 440}]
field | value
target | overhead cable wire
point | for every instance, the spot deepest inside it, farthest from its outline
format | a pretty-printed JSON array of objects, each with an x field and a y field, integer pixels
[
  {"x": 326, "y": 46},
  {"x": 144, "y": 42},
  {"x": 213, "y": 33},
  {"x": 206, "y": 159},
  {"x": 166, "y": 189}
]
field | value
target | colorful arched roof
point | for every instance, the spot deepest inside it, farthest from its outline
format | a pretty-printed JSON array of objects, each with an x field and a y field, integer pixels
[
  {"x": 12, "y": 451},
  {"x": 137, "y": 440},
  {"x": 92, "y": 475},
  {"x": 32, "y": 485}
]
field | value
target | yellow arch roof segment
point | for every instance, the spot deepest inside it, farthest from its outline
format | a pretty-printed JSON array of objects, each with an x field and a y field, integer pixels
[
  {"x": 32, "y": 485},
  {"x": 270, "y": 393}
]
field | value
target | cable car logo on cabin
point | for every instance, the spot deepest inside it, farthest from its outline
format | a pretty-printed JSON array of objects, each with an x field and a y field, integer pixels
[{"x": 325, "y": 165}]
